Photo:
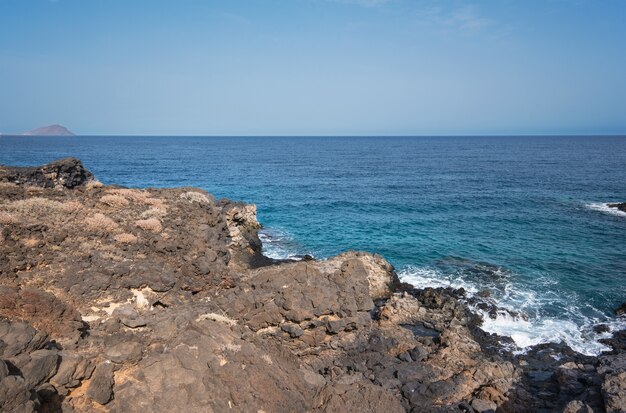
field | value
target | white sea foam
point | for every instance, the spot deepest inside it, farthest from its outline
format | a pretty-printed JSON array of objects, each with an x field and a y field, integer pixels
[
  {"x": 572, "y": 327},
  {"x": 604, "y": 207},
  {"x": 279, "y": 245},
  {"x": 427, "y": 277},
  {"x": 537, "y": 330}
]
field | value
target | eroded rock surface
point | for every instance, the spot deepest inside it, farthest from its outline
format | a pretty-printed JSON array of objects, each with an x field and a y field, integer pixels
[
  {"x": 68, "y": 173},
  {"x": 126, "y": 300}
]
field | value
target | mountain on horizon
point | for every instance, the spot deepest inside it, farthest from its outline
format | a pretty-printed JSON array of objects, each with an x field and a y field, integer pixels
[{"x": 51, "y": 130}]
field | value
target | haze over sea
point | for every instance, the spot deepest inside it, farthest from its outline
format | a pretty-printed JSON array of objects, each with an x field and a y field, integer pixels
[{"x": 522, "y": 217}]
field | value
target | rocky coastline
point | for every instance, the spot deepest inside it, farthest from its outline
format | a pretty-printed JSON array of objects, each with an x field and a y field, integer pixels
[{"x": 127, "y": 300}]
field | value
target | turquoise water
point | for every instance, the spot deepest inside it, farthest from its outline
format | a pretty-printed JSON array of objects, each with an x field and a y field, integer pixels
[{"x": 521, "y": 216}]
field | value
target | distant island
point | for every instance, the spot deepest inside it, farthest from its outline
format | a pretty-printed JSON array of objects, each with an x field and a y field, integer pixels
[{"x": 51, "y": 130}]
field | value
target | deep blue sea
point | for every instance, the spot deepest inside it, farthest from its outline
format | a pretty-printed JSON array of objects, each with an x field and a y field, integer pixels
[{"x": 523, "y": 217}]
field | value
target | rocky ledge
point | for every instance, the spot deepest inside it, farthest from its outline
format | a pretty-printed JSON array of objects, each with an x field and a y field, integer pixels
[
  {"x": 127, "y": 300},
  {"x": 620, "y": 206}
]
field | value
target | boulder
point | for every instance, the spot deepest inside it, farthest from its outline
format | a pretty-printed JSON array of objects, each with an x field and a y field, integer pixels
[
  {"x": 40, "y": 368},
  {"x": 67, "y": 173},
  {"x": 620, "y": 205},
  {"x": 483, "y": 406},
  {"x": 127, "y": 351},
  {"x": 16, "y": 396},
  {"x": 100, "y": 387}
]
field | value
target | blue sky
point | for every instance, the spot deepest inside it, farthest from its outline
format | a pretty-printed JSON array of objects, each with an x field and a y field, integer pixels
[{"x": 314, "y": 67}]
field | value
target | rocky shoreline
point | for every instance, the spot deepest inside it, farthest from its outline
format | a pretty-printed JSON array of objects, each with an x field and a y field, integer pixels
[
  {"x": 620, "y": 206},
  {"x": 128, "y": 300}
]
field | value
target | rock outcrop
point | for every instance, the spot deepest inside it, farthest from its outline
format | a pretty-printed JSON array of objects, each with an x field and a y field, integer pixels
[
  {"x": 621, "y": 206},
  {"x": 68, "y": 173},
  {"x": 122, "y": 300}
]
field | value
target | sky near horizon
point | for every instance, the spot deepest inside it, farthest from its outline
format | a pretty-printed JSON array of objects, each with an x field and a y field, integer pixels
[{"x": 314, "y": 67}]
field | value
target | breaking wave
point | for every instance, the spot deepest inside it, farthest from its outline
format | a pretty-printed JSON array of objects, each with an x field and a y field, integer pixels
[
  {"x": 279, "y": 245},
  {"x": 604, "y": 207},
  {"x": 536, "y": 322}
]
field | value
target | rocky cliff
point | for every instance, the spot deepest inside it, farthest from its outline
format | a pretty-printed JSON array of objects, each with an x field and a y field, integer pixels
[{"x": 127, "y": 300}]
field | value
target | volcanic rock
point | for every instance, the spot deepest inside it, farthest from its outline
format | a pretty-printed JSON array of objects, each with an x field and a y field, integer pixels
[
  {"x": 68, "y": 173},
  {"x": 621, "y": 206},
  {"x": 101, "y": 385}
]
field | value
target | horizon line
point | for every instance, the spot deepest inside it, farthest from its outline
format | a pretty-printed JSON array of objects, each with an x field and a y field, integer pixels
[{"x": 521, "y": 135}]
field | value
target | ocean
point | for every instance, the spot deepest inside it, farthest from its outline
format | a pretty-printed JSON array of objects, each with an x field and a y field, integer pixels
[{"x": 522, "y": 217}]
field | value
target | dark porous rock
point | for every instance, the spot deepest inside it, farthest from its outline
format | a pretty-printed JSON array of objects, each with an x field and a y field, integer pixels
[
  {"x": 335, "y": 326},
  {"x": 41, "y": 367},
  {"x": 305, "y": 257},
  {"x": 483, "y": 406},
  {"x": 72, "y": 369},
  {"x": 126, "y": 351},
  {"x": 601, "y": 328},
  {"x": 101, "y": 385},
  {"x": 25, "y": 365},
  {"x": 129, "y": 317},
  {"x": 134, "y": 322},
  {"x": 358, "y": 397},
  {"x": 43, "y": 310},
  {"x": 18, "y": 338},
  {"x": 67, "y": 172},
  {"x": 620, "y": 205},
  {"x": 621, "y": 310},
  {"x": 292, "y": 329},
  {"x": 16, "y": 396}
]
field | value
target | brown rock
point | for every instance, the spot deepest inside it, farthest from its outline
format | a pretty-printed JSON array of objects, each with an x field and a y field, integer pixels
[
  {"x": 614, "y": 392},
  {"x": 67, "y": 172},
  {"x": 100, "y": 387},
  {"x": 43, "y": 310},
  {"x": 127, "y": 351}
]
